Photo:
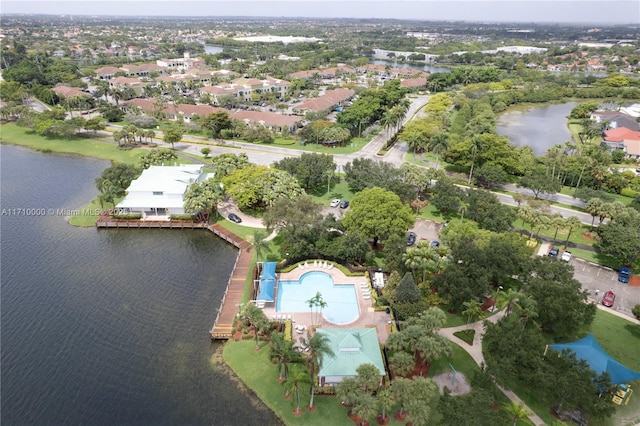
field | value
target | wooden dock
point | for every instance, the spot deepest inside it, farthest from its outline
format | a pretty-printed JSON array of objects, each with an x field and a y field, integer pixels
[
  {"x": 223, "y": 326},
  {"x": 143, "y": 224}
]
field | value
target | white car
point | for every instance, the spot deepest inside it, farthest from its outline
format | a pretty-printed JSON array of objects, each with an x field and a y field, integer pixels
[
  {"x": 566, "y": 256},
  {"x": 335, "y": 203}
]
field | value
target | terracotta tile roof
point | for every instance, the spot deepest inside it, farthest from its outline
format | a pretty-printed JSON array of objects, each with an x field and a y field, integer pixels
[
  {"x": 201, "y": 110},
  {"x": 304, "y": 74},
  {"x": 633, "y": 146},
  {"x": 620, "y": 134},
  {"x": 67, "y": 92},
  {"x": 326, "y": 101},
  {"x": 107, "y": 70},
  {"x": 414, "y": 82},
  {"x": 126, "y": 81},
  {"x": 267, "y": 118}
]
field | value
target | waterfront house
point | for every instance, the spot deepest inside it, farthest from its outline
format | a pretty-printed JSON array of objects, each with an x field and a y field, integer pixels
[
  {"x": 159, "y": 191},
  {"x": 351, "y": 348}
]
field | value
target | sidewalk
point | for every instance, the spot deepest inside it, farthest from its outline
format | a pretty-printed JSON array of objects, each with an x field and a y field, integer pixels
[{"x": 475, "y": 350}]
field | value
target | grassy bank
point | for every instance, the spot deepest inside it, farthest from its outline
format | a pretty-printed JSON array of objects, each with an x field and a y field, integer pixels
[{"x": 89, "y": 146}]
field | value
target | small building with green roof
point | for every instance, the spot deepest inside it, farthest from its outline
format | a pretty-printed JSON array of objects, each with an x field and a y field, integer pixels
[{"x": 351, "y": 347}]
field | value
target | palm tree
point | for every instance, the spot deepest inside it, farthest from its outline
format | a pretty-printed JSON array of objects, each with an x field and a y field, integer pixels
[
  {"x": 283, "y": 352},
  {"x": 509, "y": 298},
  {"x": 439, "y": 144},
  {"x": 527, "y": 309},
  {"x": 257, "y": 320},
  {"x": 365, "y": 407},
  {"x": 517, "y": 411},
  {"x": 431, "y": 347},
  {"x": 558, "y": 222},
  {"x": 347, "y": 391},
  {"x": 572, "y": 222},
  {"x": 473, "y": 310},
  {"x": 593, "y": 207},
  {"x": 368, "y": 376},
  {"x": 402, "y": 363},
  {"x": 476, "y": 145},
  {"x": 319, "y": 348},
  {"x": 386, "y": 400},
  {"x": 463, "y": 205},
  {"x": 292, "y": 385},
  {"x": 402, "y": 393},
  {"x": 258, "y": 242}
]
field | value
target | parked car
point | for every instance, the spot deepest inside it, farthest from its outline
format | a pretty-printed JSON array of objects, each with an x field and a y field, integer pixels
[
  {"x": 566, "y": 256},
  {"x": 624, "y": 274},
  {"x": 344, "y": 204},
  {"x": 435, "y": 244},
  {"x": 608, "y": 298},
  {"x": 553, "y": 252},
  {"x": 234, "y": 218},
  {"x": 335, "y": 203},
  {"x": 411, "y": 238}
]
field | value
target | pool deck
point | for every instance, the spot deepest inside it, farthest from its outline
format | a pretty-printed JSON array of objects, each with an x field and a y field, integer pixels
[{"x": 368, "y": 317}]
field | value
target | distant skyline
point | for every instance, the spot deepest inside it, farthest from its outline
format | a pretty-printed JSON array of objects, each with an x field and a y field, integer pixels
[{"x": 601, "y": 12}]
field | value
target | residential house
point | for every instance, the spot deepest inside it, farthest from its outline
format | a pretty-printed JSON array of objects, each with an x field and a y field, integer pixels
[
  {"x": 352, "y": 347},
  {"x": 159, "y": 191},
  {"x": 614, "y": 119},
  {"x": 107, "y": 73},
  {"x": 271, "y": 120},
  {"x": 330, "y": 100},
  {"x": 67, "y": 92},
  {"x": 624, "y": 139},
  {"x": 184, "y": 63},
  {"x": 414, "y": 83},
  {"x": 121, "y": 82}
]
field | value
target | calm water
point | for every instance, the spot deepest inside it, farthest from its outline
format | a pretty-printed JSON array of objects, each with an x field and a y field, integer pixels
[
  {"x": 342, "y": 303},
  {"x": 107, "y": 327},
  {"x": 429, "y": 68},
  {"x": 538, "y": 127}
]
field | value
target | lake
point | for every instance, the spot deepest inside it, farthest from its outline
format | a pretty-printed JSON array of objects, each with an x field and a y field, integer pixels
[
  {"x": 429, "y": 68},
  {"x": 540, "y": 127},
  {"x": 107, "y": 327}
]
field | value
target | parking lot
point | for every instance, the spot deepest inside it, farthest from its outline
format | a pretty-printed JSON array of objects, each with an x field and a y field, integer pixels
[{"x": 595, "y": 277}]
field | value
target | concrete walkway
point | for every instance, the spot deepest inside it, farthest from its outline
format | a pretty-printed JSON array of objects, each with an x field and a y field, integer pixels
[{"x": 475, "y": 350}]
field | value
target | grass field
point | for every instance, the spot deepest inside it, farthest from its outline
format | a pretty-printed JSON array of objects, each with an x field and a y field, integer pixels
[{"x": 92, "y": 146}]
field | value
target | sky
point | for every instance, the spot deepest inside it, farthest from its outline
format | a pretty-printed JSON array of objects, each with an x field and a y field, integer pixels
[{"x": 528, "y": 11}]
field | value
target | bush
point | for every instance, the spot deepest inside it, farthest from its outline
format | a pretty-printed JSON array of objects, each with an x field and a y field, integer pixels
[
  {"x": 144, "y": 121},
  {"x": 226, "y": 134},
  {"x": 186, "y": 216},
  {"x": 628, "y": 192},
  {"x": 128, "y": 216},
  {"x": 636, "y": 311}
]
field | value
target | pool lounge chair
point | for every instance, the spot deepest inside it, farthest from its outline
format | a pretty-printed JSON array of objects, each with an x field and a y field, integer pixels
[
  {"x": 330, "y": 266},
  {"x": 315, "y": 263},
  {"x": 306, "y": 265},
  {"x": 367, "y": 297}
]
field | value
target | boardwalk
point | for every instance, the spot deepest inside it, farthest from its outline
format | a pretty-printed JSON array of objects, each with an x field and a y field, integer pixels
[
  {"x": 222, "y": 327},
  {"x": 110, "y": 223}
]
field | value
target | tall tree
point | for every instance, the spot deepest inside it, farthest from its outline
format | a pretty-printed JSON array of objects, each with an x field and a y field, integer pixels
[
  {"x": 378, "y": 213},
  {"x": 319, "y": 349}
]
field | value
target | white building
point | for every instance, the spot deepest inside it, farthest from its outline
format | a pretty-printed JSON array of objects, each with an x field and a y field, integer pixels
[{"x": 159, "y": 191}]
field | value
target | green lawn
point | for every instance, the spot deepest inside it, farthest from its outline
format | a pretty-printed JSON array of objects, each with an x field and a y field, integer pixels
[
  {"x": 96, "y": 146},
  {"x": 354, "y": 145},
  {"x": 259, "y": 374},
  {"x": 338, "y": 190}
]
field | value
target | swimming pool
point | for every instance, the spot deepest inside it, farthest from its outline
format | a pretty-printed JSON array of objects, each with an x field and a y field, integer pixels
[{"x": 342, "y": 301}]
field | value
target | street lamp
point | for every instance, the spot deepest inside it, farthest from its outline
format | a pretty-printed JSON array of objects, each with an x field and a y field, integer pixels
[{"x": 495, "y": 302}]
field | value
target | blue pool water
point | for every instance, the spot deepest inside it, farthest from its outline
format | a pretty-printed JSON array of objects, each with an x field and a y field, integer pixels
[{"x": 341, "y": 299}]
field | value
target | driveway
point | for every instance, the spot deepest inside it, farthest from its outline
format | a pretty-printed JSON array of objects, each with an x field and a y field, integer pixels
[{"x": 426, "y": 230}]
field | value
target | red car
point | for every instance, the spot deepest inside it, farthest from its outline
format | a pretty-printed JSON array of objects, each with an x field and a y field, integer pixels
[{"x": 609, "y": 298}]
